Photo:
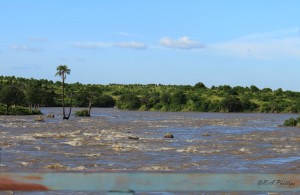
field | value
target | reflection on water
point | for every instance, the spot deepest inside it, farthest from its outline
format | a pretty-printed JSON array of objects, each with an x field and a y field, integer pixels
[{"x": 203, "y": 141}]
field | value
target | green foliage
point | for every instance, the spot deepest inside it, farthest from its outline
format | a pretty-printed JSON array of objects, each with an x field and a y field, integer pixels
[
  {"x": 129, "y": 101},
  {"x": 292, "y": 122},
  {"x": 10, "y": 95},
  {"x": 149, "y": 100},
  {"x": 248, "y": 105},
  {"x": 254, "y": 89},
  {"x": 200, "y": 85},
  {"x": 231, "y": 104},
  {"x": 84, "y": 113},
  {"x": 197, "y": 98},
  {"x": 18, "y": 110},
  {"x": 104, "y": 101}
]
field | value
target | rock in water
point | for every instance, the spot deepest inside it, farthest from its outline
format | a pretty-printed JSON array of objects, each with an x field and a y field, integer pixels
[
  {"x": 40, "y": 119},
  {"x": 169, "y": 135},
  {"x": 133, "y": 137},
  {"x": 50, "y": 116},
  {"x": 56, "y": 166}
]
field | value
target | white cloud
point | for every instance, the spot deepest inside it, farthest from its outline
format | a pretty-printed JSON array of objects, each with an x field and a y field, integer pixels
[
  {"x": 181, "y": 43},
  {"x": 132, "y": 45},
  {"x": 25, "y": 48},
  {"x": 91, "y": 45},
  {"x": 97, "y": 45},
  {"x": 270, "y": 45}
]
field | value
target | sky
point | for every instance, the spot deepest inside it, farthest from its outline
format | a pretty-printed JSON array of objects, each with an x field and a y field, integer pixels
[{"x": 182, "y": 42}]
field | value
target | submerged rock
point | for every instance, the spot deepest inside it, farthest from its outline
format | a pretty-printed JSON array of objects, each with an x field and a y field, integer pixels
[
  {"x": 1, "y": 165},
  {"x": 169, "y": 135},
  {"x": 133, "y": 137},
  {"x": 78, "y": 168},
  {"x": 78, "y": 132},
  {"x": 40, "y": 136},
  {"x": 50, "y": 116},
  {"x": 75, "y": 142},
  {"x": 56, "y": 166},
  {"x": 24, "y": 163},
  {"x": 39, "y": 119}
]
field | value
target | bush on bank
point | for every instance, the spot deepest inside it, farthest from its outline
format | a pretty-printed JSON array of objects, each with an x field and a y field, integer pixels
[
  {"x": 18, "y": 110},
  {"x": 83, "y": 112},
  {"x": 292, "y": 122}
]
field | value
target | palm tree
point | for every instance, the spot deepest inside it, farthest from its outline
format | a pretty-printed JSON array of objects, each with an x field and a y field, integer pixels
[{"x": 62, "y": 71}]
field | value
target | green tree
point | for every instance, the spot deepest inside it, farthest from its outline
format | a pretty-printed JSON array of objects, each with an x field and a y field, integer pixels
[
  {"x": 129, "y": 101},
  {"x": 254, "y": 89},
  {"x": 149, "y": 100},
  {"x": 200, "y": 85},
  {"x": 231, "y": 103},
  {"x": 105, "y": 101},
  {"x": 34, "y": 94},
  {"x": 63, "y": 71},
  {"x": 11, "y": 95},
  {"x": 178, "y": 99},
  {"x": 91, "y": 92},
  {"x": 165, "y": 98}
]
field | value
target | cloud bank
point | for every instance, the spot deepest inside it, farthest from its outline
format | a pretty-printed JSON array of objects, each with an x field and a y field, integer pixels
[
  {"x": 181, "y": 43},
  {"x": 132, "y": 45},
  {"x": 98, "y": 45},
  {"x": 25, "y": 48},
  {"x": 91, "y": 45}
]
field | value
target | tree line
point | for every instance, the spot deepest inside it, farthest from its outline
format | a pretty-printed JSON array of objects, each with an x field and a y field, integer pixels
[{"x": 33, "y": 93}]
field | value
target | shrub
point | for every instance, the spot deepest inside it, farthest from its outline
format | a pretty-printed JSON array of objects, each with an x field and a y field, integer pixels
[
  {"x": 18, "y": 110},
  {"x": 292, "y": 122},
  {"x": 231, "y": 104},
  {"x": 105, "y": 101},
  {"x": 129, "y": 101},
  {"x": 158, "y": 106},
  {"x": 200, "y": 85},
  {"x": 83, "y": 112}
]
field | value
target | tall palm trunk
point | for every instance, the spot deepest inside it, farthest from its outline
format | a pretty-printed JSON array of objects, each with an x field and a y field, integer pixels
[
  {"x": 70, "y": 110},
  {"x": 63, "y": 98},
  {"x": 62, "y": 71}
]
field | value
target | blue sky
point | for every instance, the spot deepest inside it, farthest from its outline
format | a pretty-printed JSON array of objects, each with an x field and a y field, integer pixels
[{"x": 250, "y": 42}]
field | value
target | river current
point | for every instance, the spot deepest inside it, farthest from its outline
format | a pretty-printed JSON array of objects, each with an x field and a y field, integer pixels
[
  {"x": 133, "y": 140},
  {"x": 203, "y": 141}
]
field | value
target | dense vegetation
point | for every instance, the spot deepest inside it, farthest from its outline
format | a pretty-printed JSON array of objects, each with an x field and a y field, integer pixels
[
  {"x": 292, "y": 122},
  {"x": 83, "y": 112},
  {"x": 33, "y": 93}
]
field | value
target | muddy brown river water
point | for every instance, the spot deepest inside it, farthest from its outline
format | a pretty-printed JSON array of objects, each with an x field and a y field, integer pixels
[{"x": 202, "y": 141}]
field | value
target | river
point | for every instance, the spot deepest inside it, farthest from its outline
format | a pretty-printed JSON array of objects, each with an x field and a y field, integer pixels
[{"x": 214, "y": 142}]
